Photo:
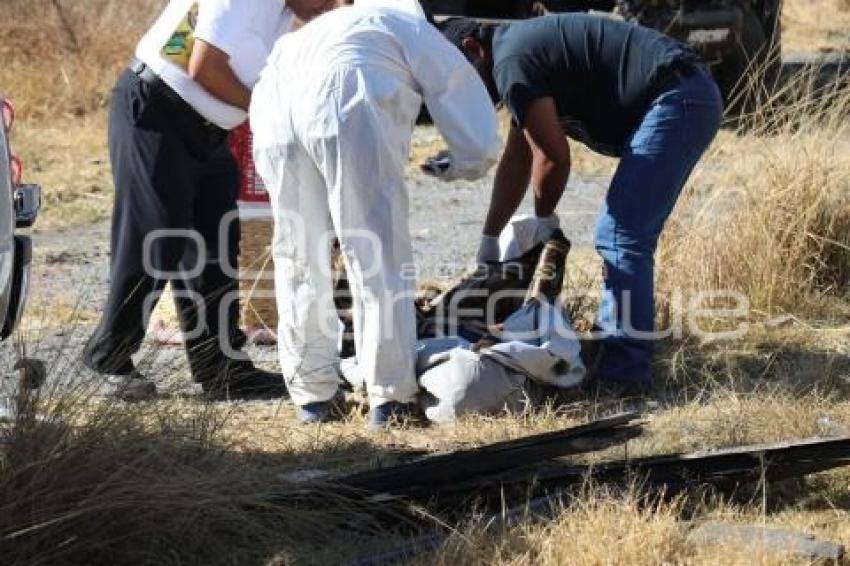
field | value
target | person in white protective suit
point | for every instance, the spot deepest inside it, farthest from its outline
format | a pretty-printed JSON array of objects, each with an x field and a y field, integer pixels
[{"x": 333, "y": 116}]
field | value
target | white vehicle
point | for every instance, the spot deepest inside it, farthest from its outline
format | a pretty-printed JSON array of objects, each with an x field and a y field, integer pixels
[{"x": 19, "y": 205}]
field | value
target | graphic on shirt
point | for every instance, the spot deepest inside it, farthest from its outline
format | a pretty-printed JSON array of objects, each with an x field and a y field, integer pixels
[{"x": 178, "y": 48}]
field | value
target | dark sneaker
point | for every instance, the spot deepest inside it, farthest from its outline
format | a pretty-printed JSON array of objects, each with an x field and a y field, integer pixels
[
  {"x": 243, "y": 380},
  {"x": 391, "y": 412},
  {"x": 322, "y": 411},
  {"x": 132, "y": 388}
]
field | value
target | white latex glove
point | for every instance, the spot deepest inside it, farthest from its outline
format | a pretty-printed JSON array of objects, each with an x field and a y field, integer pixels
[
  {"x": 488, "y": 250},
  {"x": 546, "y": 226}
]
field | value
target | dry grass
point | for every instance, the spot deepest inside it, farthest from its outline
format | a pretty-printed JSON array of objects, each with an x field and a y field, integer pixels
[
  {"x": 87, "y": 483},
  {"x": 72, "y": 169},
  {"x": 822, "y": 25},
  {"x": 84, "y": 480},
  {"x": 58, "y": 66},
  {"x": 603, "y": 526},
  {"x": 598, "y": 527},
  {"x": 768, "y": 212},
  {"x": 63, "y": 61},
  {"x": 181, "y": 481}
]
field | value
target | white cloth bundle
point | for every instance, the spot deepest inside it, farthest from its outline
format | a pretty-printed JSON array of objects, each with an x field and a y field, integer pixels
[{"x": 538, "y": 344}]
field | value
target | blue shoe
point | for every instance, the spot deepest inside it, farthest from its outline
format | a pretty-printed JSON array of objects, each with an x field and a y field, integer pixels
[
  {"x": 381, "y": 416},
  {"x": 321, "y": 411}
]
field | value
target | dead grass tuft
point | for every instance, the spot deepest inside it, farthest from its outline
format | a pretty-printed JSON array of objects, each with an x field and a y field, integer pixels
[
  {"x": 822, "y": 25},
  {"x": 61, "y": 58},
  {"x": 597, "y": 526},
  {"x": 766, "y": 213},
  {"x": 72, "y": 169},
  {"x": 92, "y": 481}
]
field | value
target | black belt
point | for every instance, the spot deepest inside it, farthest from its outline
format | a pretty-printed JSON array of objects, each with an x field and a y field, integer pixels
[
  {"x": 672, "y": 77},
  {"x": 149, "y": 77}
]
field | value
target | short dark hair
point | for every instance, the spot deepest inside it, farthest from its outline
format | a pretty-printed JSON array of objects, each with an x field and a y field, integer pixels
[{"x": 458, "y": 29}]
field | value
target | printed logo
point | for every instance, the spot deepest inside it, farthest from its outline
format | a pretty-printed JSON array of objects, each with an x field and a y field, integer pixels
[{"x": 178, "y": 48}]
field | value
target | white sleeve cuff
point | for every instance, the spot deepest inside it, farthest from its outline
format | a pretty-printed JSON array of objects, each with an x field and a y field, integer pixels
[{"x": 488, "y": 250}]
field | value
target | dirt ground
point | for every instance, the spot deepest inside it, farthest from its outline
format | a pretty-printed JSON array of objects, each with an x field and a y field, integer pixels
[{"x": 764, "y": 215}]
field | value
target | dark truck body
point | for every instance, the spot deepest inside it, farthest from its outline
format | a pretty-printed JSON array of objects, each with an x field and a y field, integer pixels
[{"x": 734, "y": 37}]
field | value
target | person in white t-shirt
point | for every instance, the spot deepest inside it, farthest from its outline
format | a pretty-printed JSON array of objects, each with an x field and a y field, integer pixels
[{"x": 176, "y": 185}]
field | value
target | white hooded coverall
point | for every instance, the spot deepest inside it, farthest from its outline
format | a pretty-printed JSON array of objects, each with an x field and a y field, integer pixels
[{"x": 333, "y": 115}]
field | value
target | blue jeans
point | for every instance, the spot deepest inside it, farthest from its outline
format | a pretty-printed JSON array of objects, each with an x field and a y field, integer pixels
[{"x": 657, "y": 160}]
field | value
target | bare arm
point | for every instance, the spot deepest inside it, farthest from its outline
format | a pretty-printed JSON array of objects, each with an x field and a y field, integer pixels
[
  {"x": 510, "y": 184},
  {"x": 210, "y": 66},
  {"x": 538, "y": 152},
  {"x": 550, "y": 155}
]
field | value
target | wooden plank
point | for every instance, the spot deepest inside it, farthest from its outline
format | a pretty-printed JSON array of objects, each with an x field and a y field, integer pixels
[
  {"x": 524, "y": 479},
  {"x": 745, "y": 464},
  {"x": 433, "y": 472},
  {"x": 676, "y": 472}
]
